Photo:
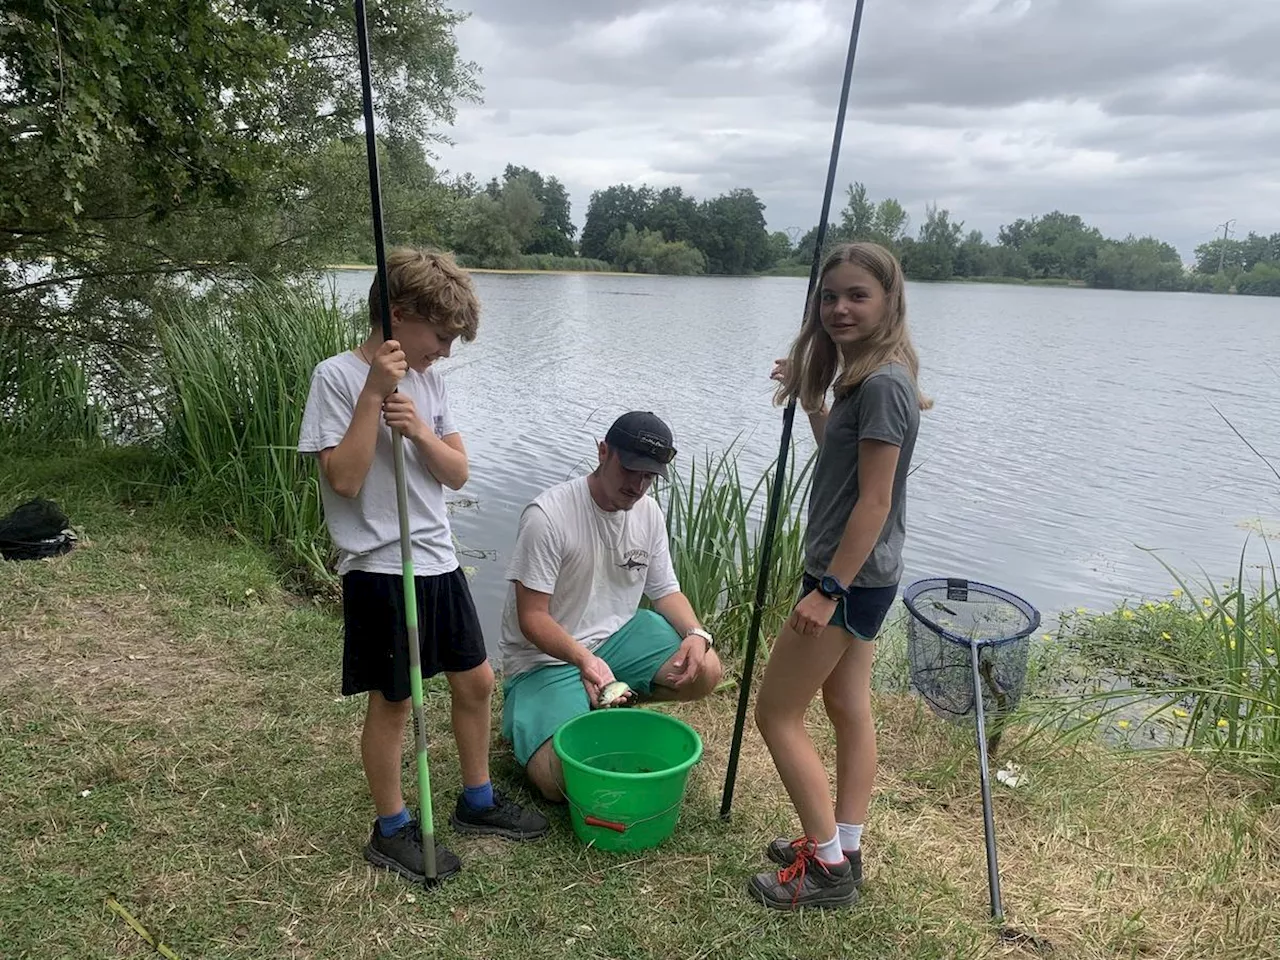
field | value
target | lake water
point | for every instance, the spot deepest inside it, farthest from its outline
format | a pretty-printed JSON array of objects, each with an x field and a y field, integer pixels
[{"x": 1072, "y": 429}]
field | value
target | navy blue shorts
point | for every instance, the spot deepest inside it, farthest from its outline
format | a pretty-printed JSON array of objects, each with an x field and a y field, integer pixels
[{"x": 861, "y": 611}]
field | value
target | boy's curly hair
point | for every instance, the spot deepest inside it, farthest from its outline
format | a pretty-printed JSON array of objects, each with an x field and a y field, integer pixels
[{"x": 429, "y": 285}]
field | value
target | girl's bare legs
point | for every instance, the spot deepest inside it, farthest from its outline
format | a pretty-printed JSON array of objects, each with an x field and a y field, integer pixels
[
  {"x": 798, "y": 666},
  {"x": 846, "y": 694}
]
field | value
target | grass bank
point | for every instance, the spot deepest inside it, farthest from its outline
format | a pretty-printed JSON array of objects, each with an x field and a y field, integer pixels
[{"x": 173, "y": 736}]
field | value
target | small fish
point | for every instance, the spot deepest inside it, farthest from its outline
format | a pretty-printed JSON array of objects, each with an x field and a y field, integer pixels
[{"x": 613, "y": 693}]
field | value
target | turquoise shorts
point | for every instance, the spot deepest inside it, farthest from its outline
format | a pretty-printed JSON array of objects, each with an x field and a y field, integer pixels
[{"x": 538, "y": 701}]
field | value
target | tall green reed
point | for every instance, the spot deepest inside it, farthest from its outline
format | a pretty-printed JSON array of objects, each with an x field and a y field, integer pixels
[
  {"x": 45, "y": 394},
  {"x": 238, "y": 371},
  {"x": 715, "y": 525}
]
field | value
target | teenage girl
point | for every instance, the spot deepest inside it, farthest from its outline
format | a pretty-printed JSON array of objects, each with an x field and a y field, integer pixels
[{"x": 854, "y": 342}]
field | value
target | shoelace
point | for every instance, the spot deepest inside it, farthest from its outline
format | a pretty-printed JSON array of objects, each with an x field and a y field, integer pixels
[{"x": 806, "y": 849}]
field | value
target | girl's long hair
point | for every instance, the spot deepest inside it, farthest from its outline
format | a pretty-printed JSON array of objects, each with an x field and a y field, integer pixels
[{"x": 815, "y": 363}]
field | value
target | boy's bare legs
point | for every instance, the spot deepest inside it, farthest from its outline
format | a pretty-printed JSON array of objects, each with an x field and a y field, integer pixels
[
  {"x": 547, "y": 773},
  {"x": 382, "y": 749},
  {"x": 472, "y": 694}
]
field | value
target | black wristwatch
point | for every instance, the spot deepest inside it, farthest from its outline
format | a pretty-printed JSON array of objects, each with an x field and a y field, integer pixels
[{"x": 831, "y": 588}]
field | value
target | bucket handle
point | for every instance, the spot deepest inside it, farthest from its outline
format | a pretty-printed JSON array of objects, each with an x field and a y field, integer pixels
[{"x": 591, "y": 821}]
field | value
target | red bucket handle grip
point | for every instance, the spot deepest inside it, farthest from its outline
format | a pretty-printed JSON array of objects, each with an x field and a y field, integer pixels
[{"x": 607, "y": 824}]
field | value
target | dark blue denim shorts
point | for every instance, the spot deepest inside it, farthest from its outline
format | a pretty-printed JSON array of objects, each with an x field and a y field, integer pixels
[{"x": 861, "y": 611}]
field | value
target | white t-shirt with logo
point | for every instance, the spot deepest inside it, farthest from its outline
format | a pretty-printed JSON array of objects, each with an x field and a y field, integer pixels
[
  {"x": 596, "y": 565},
  {"x": 366, "y": 528}
]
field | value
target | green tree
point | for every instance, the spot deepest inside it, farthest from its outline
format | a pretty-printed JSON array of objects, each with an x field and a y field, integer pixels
[
  {"x": 858, "y": 221},
  {"x": 736, "y": 240},
  {"x": 936, "y": 248},
  {"x": 610, "y": 210},
  {"x": 645, "y": 251},
  {"x": 554, "y": 231},
  {"x": 676, "y": 216},
  {"x": 139, "y": 142},
  {"x": 1138, "y": 264}
]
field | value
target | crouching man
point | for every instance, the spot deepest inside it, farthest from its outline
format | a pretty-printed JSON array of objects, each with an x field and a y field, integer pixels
[{"x": 586, "y": 551}]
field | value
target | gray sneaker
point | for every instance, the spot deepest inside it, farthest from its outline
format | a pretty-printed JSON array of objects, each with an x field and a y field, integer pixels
[
  {"x": 506, "y": 819},
  {"x": 783, "y": 851},
  {"x": 402, "y": 853},
  {"x": 806, "y": 882}
]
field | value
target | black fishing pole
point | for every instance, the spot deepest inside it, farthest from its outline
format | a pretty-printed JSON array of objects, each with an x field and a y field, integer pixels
[
  {"x": 425, "y": 818},
  {"x": 788, "y": 417}
]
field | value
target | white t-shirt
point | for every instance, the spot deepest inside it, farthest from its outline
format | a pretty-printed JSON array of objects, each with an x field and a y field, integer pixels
[
  {"x": 366, "y": 528},
  {"x": 595, "y": 564}
]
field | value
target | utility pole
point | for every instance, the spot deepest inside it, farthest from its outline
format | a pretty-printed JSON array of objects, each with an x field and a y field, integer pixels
[{"x": 1222, "y": 251}]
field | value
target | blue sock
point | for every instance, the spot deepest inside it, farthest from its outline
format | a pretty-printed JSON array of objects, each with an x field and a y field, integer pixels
[
  {"x": 389, "y": 825},
  {"x": 479, "y": 798}
]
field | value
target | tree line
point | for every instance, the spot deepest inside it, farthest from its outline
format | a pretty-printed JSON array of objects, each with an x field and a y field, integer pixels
[{"x": 524, "y": 217}]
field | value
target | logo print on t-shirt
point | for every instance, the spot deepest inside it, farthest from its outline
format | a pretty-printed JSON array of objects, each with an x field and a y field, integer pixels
[
  {"x": 635, "y": 560},
  {"x": 438, "y": 424}
]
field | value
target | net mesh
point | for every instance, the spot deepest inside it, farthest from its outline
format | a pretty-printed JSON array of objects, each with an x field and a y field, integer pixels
[{"x": 948, "y": 616}]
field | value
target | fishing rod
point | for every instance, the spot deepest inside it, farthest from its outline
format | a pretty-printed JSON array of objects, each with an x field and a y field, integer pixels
[
  {"x": 425, "y": 819},
  {"x": 788, "y": 417}
]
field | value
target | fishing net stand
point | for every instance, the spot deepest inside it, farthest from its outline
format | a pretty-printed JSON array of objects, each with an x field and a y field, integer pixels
[{"x": 967, "y": 652}]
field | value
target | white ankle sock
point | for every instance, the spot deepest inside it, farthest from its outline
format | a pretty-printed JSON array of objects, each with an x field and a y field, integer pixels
[
  {"x": 850, "y": 836},
  {"x": 830, "y": 851}
]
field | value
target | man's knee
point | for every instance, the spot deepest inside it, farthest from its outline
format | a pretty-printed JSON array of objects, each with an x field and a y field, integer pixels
[
  {"x": 545, "y": 773},
  {"x": 711, "y": 674}
]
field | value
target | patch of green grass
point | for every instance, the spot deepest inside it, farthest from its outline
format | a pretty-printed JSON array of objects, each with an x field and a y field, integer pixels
[
  {"x": 45, "y": 394},
  {"x": 175, "y": 679}
]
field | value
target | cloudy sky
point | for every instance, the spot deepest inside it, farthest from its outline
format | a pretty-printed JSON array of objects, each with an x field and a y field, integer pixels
[{"x": 1143, "y": 116}]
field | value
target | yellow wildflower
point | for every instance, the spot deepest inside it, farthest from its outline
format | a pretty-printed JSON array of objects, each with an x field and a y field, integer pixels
[
  {"x": 1231, "y": 644},
  {"x": 1222, "y": 723},
  {"x": 1081, "y": 610},
  {"x": 1148, "y": 605},
  {"x": 1122, "y": 724},
  {"x": 1127, "y": 614},
  {"x": 1230, "y": 622},
  {"x": 1177, "y": 591},
  {"x": 1207, "y": 602},
  {"x": 1271, "y": 651},
  {"x": 1165, "y": 636},
  {"x": 1180, "y": 713}
]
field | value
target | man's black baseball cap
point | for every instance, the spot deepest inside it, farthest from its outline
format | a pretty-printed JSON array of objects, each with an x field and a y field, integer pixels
[{"x": 643, "y": 442}]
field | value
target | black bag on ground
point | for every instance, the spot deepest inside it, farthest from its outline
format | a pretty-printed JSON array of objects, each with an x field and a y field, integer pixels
[{"x": 34, "y": 530}]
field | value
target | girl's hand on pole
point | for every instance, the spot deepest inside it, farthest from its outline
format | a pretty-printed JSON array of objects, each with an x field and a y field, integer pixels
[
  {"x": 387, "y": 369},
  {"x": 779, "y": 370},
  {"x": 812, "y": 614},
  {"x": 402, "y": 416}
]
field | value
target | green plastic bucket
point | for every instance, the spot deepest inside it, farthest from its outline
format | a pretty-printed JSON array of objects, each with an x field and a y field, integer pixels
[{"x": 625, "y": 772}]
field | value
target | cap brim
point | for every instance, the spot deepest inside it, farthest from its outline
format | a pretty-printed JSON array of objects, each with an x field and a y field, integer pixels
[{"x": 641, "y": 463}]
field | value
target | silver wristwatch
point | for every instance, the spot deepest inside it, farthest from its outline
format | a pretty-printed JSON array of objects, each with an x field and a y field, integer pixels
[{"x": 699, "y": 632}]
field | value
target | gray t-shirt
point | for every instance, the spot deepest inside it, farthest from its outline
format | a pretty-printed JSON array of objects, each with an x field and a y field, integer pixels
[
  {"x": 885, "y": 406},
  {"x": 366, "y": 528}
]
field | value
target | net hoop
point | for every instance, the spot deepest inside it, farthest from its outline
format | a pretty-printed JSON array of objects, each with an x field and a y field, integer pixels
[{"x": 970, "y": 587}]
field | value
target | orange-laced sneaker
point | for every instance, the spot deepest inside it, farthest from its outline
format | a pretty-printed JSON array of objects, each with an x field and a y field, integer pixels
[
  {"x": 783, "y": 851},
  {"x": 806, "y": 882}
]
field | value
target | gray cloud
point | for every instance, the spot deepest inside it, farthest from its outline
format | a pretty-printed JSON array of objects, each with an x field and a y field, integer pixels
[{"x": 1143, "y": 117}]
